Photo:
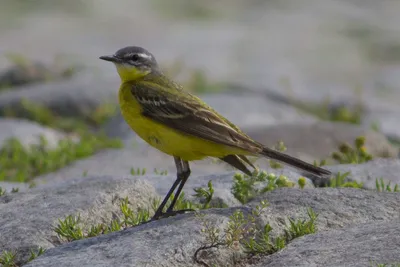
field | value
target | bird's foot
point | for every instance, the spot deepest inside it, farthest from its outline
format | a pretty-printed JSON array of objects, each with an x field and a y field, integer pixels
[{"x": 167, "y": 214}]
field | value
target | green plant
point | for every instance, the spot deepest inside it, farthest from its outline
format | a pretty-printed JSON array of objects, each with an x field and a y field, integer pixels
[
  {"x": 280, "y": 146},
  {"x": 356, "y": 155},
  {"x": 130, "y": 218},
  {"x": 22, "y": 164},
  {"x": 164, "y": 172},
  {"x": 325, "y": 112},
  {"x": 297, "y": 228},
  {"x": 301, "y": 182},
  {"x": 70, "y": 228},
  {"x": 381, "y": 186},
  {"x": 385, "y": 264},
  {"x": 90, "y": 118},
  {"x": 262, "y": 243},
  {"x": 243, "y": 232},
  {"x": 2, "y": 191},
  {"x": 73, "y": 228},
  {"x": 205, "y": 195},
  {"x": 320, "y": 163},
  {"x": 35, "y": 254},
  {"x": 246, "y": 188},
  {"x": 7, "y": 259},
  {"x": 340, "y": 180},
  {"x": 138, "y": 171}
]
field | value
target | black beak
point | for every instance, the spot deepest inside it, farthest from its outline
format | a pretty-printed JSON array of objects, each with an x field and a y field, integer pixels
[{"x": 110, "y": 58}]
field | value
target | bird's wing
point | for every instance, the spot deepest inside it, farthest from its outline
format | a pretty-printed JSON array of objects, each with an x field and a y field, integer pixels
[{"x": 186, "y": 113}]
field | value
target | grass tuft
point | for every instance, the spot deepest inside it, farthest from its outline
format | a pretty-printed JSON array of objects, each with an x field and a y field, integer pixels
[
  {"x": 7, "y": 259},
  {"x": 73, "y": 228},
  {"x": 381, "y": 186},
  {"x": 353, "y": 155},
  {"x": 246, "y": 188},
  {"x": 243, "y": 233}
]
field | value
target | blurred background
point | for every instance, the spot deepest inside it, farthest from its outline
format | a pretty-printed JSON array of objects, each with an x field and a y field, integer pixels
[
  {"x": 259, "y": 62},
  {"x": 316, "y": 45}
]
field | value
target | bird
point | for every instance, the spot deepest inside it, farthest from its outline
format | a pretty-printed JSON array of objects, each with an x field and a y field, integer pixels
[{"x": 180, "y": 124}]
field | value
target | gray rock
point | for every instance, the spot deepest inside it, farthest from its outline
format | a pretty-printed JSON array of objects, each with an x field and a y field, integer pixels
[
  {"x": 243, "y": 110},
  {"x": 367, "y": 173},
  {"x": 385, "y": 117},
  {"x": 73, "y": 97},
  {"x": 9, "y": 186},
  {"x": 316, "y": 141},
  {"x": 337, "y": 208},
  {"x": 28, "y": 132},
  {"x": 27, "y": 219},
  {"x": 173, "y": 241},
  {"x": 360, "y": 245},
  {"x": 169, "y": 242}
]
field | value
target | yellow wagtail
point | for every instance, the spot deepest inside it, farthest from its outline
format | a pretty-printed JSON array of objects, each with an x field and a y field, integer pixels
[{"x": 181, "y": 124}]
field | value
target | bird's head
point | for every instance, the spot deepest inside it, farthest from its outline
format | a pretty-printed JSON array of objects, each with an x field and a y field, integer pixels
[{"x": 133, "y": 62}]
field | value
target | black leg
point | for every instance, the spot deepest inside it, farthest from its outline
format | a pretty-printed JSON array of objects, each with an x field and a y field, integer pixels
[
  {"x": 179, "y": 178},
  {"x": 185, "y": 176}
]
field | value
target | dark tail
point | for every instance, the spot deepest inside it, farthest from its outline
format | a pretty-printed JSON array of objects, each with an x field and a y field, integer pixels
[
  {"x": 294, "y": 162},
  {"x": 237, "y": 162}
]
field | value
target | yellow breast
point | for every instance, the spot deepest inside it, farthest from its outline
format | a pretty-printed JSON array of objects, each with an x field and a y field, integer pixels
[{"x": 163, "y": 138}]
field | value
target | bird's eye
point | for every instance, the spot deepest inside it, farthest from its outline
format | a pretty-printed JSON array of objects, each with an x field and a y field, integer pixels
[{"x": 135, "y": 57}]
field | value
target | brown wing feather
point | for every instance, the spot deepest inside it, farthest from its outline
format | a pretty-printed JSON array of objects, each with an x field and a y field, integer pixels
[{"x": 190, "y": 117}]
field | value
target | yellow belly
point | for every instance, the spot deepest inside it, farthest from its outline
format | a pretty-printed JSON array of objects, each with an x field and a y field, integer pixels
[{"x": 165, "y": 139}]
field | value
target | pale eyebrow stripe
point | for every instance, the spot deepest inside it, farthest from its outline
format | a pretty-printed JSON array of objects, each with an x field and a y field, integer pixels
[{"x": 145, "y": 55}]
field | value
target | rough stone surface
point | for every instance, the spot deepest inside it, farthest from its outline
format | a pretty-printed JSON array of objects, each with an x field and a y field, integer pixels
[
  {"x": 27, "y": 219},
  {"x": 360, "y": 245},
  {"x": 336, "y": 207},
  {"x": 367, "y": 173},
  {"x": 173, "y": 241},
  {"x": 316, "y": 141},
  {"x": 9, "y": 186},
  {"x": 170, "y": 242},
  {"x": 27, "y": 132}
]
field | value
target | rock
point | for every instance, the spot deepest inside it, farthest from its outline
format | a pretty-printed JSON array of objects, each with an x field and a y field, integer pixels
[
  {"x": 9, "y": 186},
  {"x": 28, "y": 132},
  {"x": 316, "y": 141},
  {"x": 367, "y": 173},
  {"x": 337, "y": 208},
  {"x": 169, "y": 242},
  {"x": 360, "y": 245},
  {"x": 173, "y": 241},
  {"x": 27, "y": 72},
  {"x": 73, "y": 97},
  {"x": 27, "y": 219},
  {"x": 385, "y": 117},
  {"x": 243, "y": 110}
]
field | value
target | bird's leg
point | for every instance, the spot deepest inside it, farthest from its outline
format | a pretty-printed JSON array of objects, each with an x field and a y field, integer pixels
[
  {"x": 183, "y": 173},
  {"x": 179, "y": 176},
  {"x": 185, "y": 176}
]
